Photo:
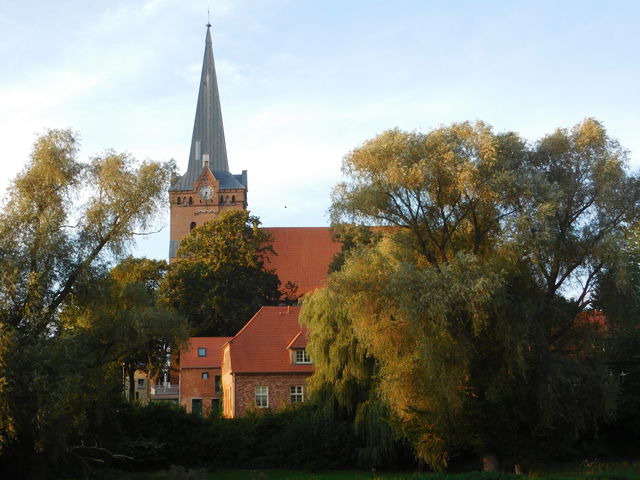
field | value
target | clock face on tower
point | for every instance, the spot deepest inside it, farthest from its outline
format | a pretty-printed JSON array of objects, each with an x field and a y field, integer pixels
[{"x": 206, "y": 192}]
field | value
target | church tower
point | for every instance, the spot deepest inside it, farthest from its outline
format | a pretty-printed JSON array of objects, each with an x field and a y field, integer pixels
[{"x": 207, "y": 187}]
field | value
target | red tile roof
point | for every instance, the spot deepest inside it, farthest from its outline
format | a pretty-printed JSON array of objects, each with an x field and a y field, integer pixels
[
  {"x": 189, "y": 356},
  {"x": 262, "y": 344},
  {"x": 299, "y": 341},
  {"x": 592, "y": 317},
  {"x": 302, "y": 255}
]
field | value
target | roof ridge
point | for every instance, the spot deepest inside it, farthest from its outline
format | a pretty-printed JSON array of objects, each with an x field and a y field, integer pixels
[
  {"x": 245, "y": 325},
  {"x": 293, "y": 340}
]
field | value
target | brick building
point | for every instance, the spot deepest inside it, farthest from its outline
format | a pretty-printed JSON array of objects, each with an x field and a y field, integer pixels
[
  {"x": 207, "y": 187},
  {"x": 200, "y": 375},
  {"x": 266, "y": 365}
]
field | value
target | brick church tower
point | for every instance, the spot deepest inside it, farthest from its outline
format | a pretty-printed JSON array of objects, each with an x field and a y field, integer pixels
[{"x": 207, "y": 187}]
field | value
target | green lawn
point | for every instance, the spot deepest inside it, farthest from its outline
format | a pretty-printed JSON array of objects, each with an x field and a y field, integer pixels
[
  {"x": 612, "y": 472},
  {"x": 608, "y": 474}
]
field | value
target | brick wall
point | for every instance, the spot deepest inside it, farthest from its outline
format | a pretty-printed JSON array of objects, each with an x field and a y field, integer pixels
[
  {"x": 182, "y": 215},
  {"x": 193, "y": 386},
  {"x": 279, "y": 390}
]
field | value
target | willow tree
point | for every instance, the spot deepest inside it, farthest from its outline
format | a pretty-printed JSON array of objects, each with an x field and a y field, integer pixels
[
  {"x": 464, "y": 304},
  {"x": 61, "y": 222}
]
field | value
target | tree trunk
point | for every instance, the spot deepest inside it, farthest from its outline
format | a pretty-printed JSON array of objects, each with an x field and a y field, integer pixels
[{"x": 490, "y": 462}]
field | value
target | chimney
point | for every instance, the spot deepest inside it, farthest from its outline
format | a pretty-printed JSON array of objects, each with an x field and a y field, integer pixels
[{"x": 205, "y": 160}]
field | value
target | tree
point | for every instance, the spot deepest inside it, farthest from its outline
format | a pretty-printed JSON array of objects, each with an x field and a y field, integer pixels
[
  {"x": 464, "y": 304},
  {"x": 62, "y": 221},
  {"x": 220, "y": 280},
  {"x": 345, "y": 383},
  {"x": 618, "y": 297},
  {"x": 124, "y": 315}
]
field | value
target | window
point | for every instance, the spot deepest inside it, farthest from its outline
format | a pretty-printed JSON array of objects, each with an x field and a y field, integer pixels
[
  {"x": 202, "y": 352},
  {"x": 141, "y": 383},
  {"x": 302, "y": 357},
  {"x": 221, "y": 199},
  {"x": 190, "y": 201},
  {"x": 297, "y": 394},
  {"x": 192, "y": 226},
  {"x": 262, "y": 397},
  {"x": 233, "y": 199},
  {"x": 179, "y": 200},
  {"x": 205, "y": 375},
  {"x": 217, "y": 384}
]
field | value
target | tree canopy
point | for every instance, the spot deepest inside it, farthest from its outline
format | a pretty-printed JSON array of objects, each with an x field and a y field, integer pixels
[
  {"x": 121, "y": 310},
  {"x": 220, "y": 279},
  {"x": 469, "y": 304},
  {"x": 63, "y": 221}
]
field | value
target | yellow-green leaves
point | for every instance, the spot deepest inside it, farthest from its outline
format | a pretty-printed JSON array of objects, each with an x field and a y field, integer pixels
[
  {"x": 464, "y": 307},
  {"x": 442, "y": 186}
]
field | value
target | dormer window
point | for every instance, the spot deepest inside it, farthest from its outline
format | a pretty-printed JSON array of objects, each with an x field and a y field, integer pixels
[
  {"x": 202, "y": 352},
  {"x": 302, "y": 356}
]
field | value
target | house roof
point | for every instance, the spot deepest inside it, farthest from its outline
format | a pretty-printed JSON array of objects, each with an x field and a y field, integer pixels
[
  {"x": 299, "y": 341},
  {"x": 189, "y": 356},
  {"x": 262, "y": 346},
  {"x": 592, "y": 317},
  {"x": 303, "y": 255}
]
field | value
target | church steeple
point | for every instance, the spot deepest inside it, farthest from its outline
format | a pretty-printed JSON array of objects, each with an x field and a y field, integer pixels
[
  {"x": 208, "y": 131},
  {"x": 208, "y": 187}
]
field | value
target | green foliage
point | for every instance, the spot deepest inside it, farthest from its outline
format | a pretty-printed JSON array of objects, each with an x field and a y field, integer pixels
[
  {"x": 346, "y": 379},
  {"x": 121, "y": 310},
  {"x": 53, "y": 375},
  {"x": 351, "y": 237},
  {"x": 220, "y": 280},
  {"x": 618, "y": 296},
  {"x": 163, "y": 434},
  {"x": 462, "y": 309}
]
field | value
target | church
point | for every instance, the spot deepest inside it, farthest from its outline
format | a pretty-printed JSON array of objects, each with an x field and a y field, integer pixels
[
  {"x": 265, "y": 364},
  {"x": 208, "y": 188}
]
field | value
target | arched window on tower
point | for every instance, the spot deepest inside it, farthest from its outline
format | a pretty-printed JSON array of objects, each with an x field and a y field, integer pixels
[
  {"x": 221, "y": 199},
  {"x": 190, "y": 201},
  {"x": 179, "y": 200},
  {"x": 233, "y": 199},
  {"x": 192, "y": 226}
]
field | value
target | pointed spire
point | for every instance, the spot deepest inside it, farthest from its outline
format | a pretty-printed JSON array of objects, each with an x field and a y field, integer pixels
[{"x": 208, "y": 131}]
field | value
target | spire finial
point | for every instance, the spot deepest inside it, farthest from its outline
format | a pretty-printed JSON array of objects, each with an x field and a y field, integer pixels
[{"x": 208, "y": 19}]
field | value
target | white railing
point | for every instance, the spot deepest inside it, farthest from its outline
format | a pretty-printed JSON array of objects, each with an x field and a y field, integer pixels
[{"x": 165, "y": 389}]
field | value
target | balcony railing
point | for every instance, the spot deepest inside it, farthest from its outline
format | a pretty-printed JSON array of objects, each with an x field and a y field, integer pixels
[{"x": 165, "y": 389}]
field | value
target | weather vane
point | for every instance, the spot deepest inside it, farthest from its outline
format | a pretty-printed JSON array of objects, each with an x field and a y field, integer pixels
[{"x": 208, "y": 19}]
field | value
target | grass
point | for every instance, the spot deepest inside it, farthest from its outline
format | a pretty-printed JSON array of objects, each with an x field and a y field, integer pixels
[{"x": 604, "y": 472}]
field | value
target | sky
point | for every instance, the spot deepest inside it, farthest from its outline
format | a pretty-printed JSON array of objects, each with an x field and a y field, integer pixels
[{"x": 303, "y": 82}]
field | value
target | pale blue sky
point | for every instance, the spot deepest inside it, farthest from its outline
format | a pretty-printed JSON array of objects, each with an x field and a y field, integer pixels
[{"x": 302, "y": 82}]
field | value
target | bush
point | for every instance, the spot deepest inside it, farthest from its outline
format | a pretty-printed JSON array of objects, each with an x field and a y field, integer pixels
[{"x": 163, "y": 434}]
